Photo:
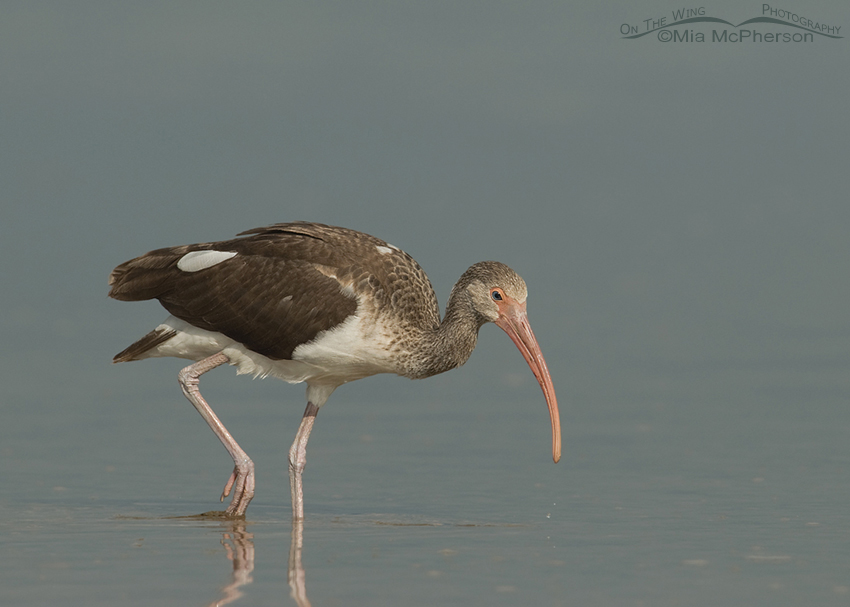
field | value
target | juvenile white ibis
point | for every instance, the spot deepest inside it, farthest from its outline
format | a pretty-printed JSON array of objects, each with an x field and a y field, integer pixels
[{"x": 306, "y": 302}]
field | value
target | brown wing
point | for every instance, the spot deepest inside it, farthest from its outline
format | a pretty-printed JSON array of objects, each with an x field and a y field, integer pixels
[
  {"x": 392, "y": 280},
  {"x": 271, "y": 296}
]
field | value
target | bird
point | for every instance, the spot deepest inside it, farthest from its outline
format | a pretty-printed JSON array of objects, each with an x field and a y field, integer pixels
[{"x": 324, "y": 305}]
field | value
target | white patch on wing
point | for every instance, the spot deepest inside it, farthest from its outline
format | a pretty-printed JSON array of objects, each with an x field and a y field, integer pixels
[
  {"x": 384, "y": 250},
  {"x": 201, "y": 260}
]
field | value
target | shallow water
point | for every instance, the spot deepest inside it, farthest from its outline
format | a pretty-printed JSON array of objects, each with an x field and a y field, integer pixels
[{"x": 430, "y": 504}]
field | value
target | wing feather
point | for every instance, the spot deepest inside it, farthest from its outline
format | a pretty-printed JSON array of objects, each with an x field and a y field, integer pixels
[
  {"x": 287, "y": 283},
  {"x": 267, "y": 297}
]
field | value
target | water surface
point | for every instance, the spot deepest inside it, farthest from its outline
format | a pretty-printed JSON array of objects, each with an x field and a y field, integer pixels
[{"x": 652, "y": 504}]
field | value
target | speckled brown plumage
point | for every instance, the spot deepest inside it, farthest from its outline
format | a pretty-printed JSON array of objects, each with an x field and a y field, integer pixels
[{"x": 284, "y": 285}]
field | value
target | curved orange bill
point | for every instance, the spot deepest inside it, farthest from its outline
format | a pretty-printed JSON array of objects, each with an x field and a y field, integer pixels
[{"x": 513, "y": 320}]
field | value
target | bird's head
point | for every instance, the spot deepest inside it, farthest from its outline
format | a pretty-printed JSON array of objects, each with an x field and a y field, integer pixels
[{"x": 499, "y": 295}]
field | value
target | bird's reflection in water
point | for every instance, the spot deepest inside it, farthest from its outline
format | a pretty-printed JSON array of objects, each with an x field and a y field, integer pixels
[
  {"x": 297, "y": 583},
  {"x": 239, "y": 545}
]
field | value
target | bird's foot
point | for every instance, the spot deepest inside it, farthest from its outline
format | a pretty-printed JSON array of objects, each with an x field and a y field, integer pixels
[{"x": 241, "y": 482}]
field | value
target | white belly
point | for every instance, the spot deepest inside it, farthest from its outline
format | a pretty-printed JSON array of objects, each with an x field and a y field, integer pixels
[{"x": 335, "y": 357}]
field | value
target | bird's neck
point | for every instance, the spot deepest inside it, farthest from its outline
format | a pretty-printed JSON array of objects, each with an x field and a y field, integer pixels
[{"x": 451, "y": 344}]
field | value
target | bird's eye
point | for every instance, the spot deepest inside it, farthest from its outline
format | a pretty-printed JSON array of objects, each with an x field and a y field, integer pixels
[{"x": 496, "y": 294}]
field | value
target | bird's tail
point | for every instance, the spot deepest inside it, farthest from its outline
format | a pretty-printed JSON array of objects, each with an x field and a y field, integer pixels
[{"x": 138, "y": 349}]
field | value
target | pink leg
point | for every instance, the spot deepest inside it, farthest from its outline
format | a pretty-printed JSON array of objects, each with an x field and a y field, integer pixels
[
  {"x": 298, "y": 459},
  {"x": 242, "y": 479}
]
